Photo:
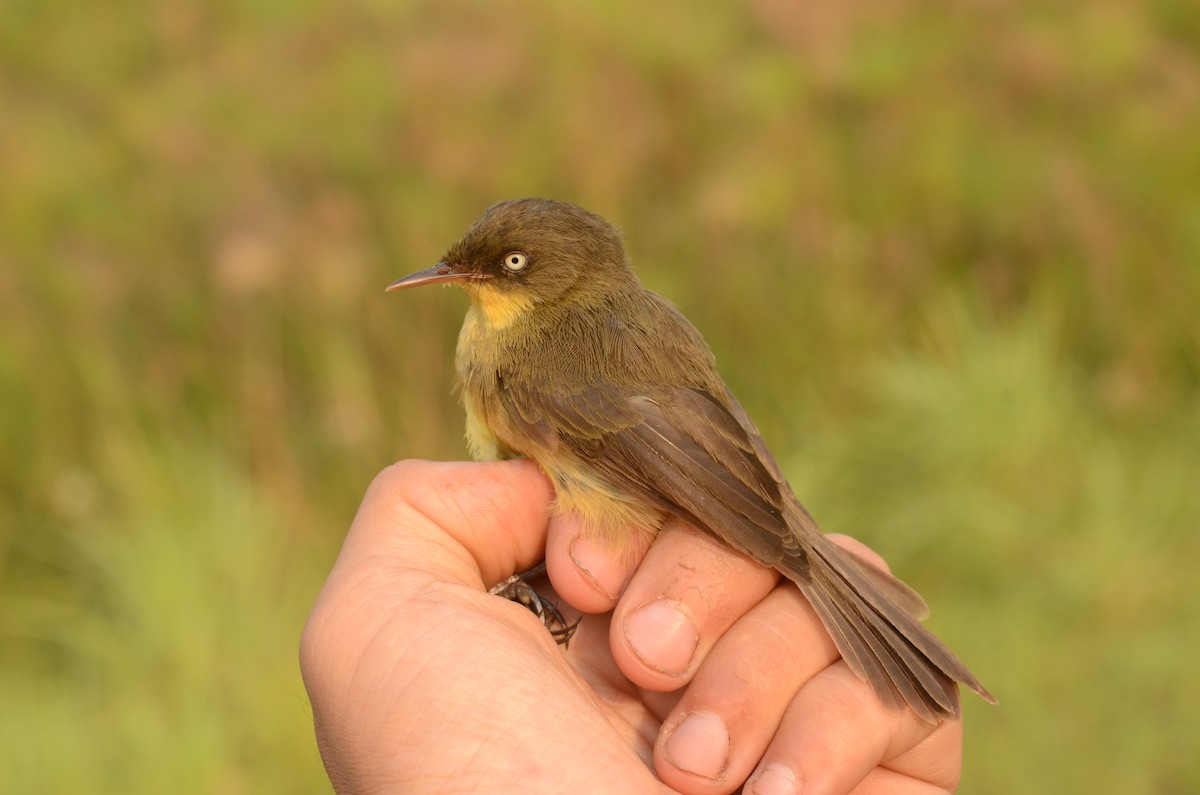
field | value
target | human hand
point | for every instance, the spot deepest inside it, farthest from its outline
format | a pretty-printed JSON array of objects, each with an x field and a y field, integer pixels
[{"x": 421, "y": 681}]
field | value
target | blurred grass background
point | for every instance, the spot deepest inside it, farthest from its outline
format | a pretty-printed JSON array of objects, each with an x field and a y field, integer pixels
[{"x": 947, "y": 254}]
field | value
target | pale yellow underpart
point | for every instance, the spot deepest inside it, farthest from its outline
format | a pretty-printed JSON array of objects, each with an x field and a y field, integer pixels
[
  {"x": 602, "y": 510},
  {"x": 480, "y": 440}
]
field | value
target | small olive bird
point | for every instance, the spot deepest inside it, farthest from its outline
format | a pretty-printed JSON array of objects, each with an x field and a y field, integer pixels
[{"x": 566, "y": 359}]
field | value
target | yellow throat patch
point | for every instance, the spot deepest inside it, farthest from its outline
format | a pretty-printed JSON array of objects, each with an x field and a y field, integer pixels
[{"x": 500, "y": 308}]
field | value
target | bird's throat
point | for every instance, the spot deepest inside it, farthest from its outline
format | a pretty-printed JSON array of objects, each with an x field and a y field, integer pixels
[{"x": 499, "y": 308}]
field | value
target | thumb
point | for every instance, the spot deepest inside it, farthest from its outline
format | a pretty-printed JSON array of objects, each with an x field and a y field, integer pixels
[{"x": 473, "y": 523}]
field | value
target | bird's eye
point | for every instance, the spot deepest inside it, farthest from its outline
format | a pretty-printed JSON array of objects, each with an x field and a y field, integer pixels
[{"x": 515, "y": 261}]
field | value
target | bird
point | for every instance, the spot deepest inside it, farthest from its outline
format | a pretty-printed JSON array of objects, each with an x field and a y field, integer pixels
[{"x": 566, "y": 359}]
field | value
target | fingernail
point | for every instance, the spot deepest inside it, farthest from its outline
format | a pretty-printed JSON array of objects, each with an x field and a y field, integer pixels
[
  {"x": 775, "y": 779},
  {"x": 699, "y": 745},
  {"x": 599, "y": 563},
  {"x": 663, "y": 636}
]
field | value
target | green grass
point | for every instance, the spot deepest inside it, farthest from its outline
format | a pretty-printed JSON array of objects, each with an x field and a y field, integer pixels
[{"x": 949, "y": 257}]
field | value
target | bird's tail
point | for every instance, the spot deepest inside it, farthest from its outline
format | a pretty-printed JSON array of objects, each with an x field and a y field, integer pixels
[{"x": 875, "y": 620}]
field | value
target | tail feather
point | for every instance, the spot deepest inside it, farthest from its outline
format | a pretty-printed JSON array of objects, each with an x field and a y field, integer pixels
[
  {"x": 846, "y": 637},
  {"x": 897, "y": 678},
  {"x": 897, "y": 590},
  {"x": 873, "y": 619}
]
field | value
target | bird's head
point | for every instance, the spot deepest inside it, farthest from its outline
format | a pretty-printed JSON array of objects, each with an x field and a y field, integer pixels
[{"x": 524, "y": 254}]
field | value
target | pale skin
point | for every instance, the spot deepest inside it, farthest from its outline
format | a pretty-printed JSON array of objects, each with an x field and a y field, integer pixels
[{"x": 694, "y": 671}]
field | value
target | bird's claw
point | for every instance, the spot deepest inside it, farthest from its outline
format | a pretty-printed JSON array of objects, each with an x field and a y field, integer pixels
[{"x": 517, "y": 589}]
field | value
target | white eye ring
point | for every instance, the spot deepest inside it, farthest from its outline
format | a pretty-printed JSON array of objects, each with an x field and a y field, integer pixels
[{"x": 515, "y": 261}]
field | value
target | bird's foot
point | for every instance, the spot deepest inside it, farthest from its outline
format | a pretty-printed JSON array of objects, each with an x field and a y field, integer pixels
[{"x": 517, "y": 589}]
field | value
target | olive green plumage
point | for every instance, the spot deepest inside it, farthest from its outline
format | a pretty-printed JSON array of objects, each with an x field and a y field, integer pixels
[{"x": 565, "y": 358}]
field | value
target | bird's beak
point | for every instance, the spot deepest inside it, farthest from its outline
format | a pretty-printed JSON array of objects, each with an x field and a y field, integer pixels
[{"x": 442, "y": 272}]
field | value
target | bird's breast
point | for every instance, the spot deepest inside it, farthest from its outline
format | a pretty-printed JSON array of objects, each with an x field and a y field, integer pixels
[{"x": 499, "y": 426}]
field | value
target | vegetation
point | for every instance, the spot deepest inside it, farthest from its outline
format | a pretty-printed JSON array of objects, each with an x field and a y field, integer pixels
[{"x": 948, "y": 255}]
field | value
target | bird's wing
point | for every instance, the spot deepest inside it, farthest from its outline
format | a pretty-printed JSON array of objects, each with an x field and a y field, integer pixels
[
  {"x": 686, "y": 452},
  {"x": 681, "y": 450}
]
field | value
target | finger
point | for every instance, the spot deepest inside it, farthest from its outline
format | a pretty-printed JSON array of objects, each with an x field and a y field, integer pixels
[
  {"x": 424, "y": 523},
  {"x": 391, "y": 667},
  {"x": 882, "y": 781},
  {"x": 937, "y": 759},
  {"x": 718, "y": 731},
  {"x": 688, "y": 590},
  {"x": 835, "y": 732},
  {"x": 590, "y": 572},
  {"x": 458, "y": 520}
]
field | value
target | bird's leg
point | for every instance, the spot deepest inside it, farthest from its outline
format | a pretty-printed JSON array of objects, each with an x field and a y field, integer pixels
[{"x": 517, "y": 589}]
